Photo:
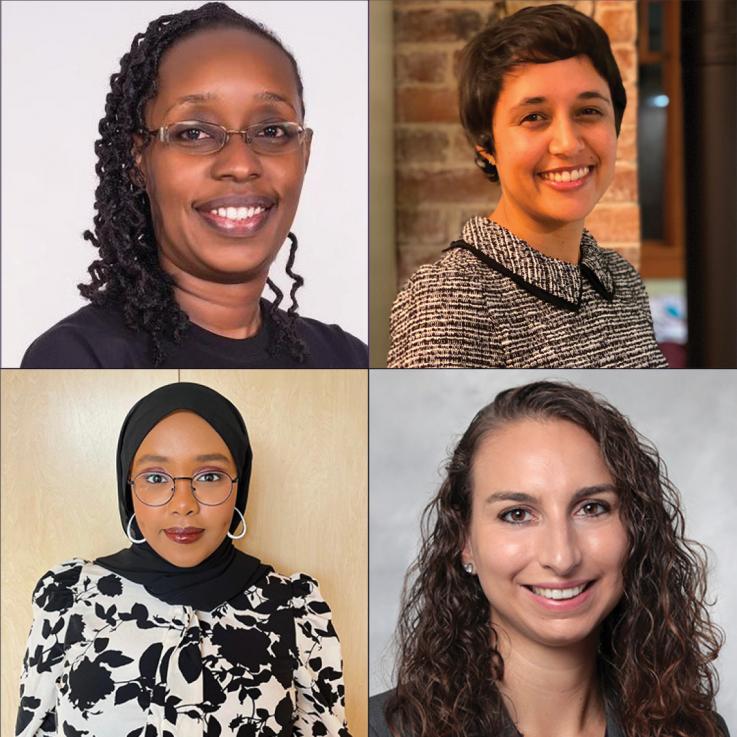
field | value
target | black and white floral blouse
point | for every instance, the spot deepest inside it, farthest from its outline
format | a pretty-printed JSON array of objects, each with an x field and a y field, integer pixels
[{"x": 107, "y": 659}]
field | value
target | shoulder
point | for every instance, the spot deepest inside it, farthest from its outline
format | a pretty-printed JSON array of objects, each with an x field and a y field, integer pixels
[
  {"x": 377, "y": 721},
  {"x": 722, "y": 724},
  {"x": 54, "y": 591},
  {"x": 91, "y": 337},
  {"x": 330, "y": 346}
]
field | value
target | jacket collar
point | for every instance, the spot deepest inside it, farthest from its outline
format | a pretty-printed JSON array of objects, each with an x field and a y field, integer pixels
[{"x": 549, "y": 279}]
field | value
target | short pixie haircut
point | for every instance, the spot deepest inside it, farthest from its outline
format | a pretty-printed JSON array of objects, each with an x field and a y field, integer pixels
[{"x": 537, "y": 35}]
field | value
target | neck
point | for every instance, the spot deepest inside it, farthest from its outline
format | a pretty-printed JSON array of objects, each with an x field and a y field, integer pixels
[
  {"x": 229, "y": 310},
  {"x": 551, "y": 690},
  {"x": 554, "y": 239}
]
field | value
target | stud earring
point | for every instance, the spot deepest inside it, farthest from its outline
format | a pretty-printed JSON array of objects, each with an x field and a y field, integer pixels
[{"x": 468, "y": 568}]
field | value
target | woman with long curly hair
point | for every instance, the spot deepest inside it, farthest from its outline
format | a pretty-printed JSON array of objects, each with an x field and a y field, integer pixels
[
  {"x": 554, "y": 592},
  {"x": 201, "y": 159}
]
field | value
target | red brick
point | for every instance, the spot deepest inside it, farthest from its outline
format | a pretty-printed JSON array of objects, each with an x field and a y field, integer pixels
[
  {"x": 627, "y": 144},
  {"x": 460, "y": 185},
  {"x": 615, "y": 222},
  {"x": 426, "y": 105},
  {"x": 441, "y": 24},
  {"x": 618, "y": 20},
  {"x": 414, "y": 145},
  {"x": 630, "y": 112},
  {"x": 427, "y": 226},
  {"x": 624, "y": 187},
  {"x": 626, "y": 58},
  {"x": 421, "y": 66}
]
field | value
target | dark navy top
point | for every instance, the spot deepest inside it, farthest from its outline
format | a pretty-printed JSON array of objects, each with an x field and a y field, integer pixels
[
  {"x": 378, "y": 726},
  {"x": 97, "y": 337}
]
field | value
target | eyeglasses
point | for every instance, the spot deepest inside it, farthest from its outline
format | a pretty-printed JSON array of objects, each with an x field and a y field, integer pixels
[
  {"x": 268, "y": 139},
  {"x": 156, "y": 488}
]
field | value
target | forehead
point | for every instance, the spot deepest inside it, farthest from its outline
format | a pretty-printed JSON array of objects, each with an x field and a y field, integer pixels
[
  {"x": 557, "y": 79},
  {"x": 232, "y": 63},
  {"x": 179, "y": 432},
  {"x": 541, "y": 457}
]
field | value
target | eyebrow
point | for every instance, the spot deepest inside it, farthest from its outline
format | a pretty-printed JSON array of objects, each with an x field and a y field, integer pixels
[
  {"x": 588, "y": 95},
  {"x": 198, "y": 97},
  {"x": 150, "y": 458},
  {"x": 521, "y": 496}
]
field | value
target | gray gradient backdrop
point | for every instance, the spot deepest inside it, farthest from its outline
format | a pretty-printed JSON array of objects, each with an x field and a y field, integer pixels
[{"x": 417, "y": 416}]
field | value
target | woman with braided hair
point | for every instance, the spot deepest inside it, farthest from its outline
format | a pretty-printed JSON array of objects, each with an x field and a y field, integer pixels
[{"x": 201, "y": 159}]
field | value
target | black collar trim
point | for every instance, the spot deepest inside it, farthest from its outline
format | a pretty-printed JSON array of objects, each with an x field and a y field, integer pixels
[{"x": 536, "y": 291}]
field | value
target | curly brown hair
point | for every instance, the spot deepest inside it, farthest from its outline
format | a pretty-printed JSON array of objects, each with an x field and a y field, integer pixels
[{"x": 656, "y": 646}]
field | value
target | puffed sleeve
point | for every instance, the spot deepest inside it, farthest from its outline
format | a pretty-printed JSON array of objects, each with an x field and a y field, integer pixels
[
  {"x": 53, "y": 598},
  {"x": 320, "y": 693}
]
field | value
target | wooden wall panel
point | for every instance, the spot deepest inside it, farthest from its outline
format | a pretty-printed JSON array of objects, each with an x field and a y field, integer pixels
[{"x": 307, "y": 507}]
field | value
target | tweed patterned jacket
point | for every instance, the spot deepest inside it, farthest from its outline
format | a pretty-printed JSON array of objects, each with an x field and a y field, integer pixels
[{"x": 494, "y": 301}]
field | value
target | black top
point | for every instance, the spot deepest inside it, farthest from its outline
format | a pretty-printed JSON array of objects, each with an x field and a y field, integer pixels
[
  {"x": 378, "y": 726},
  {"x": 97, "y": 337}
]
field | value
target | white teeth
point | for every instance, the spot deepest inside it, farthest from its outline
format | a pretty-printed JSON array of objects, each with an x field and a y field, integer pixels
[
  {"x": 567, "y": 176},
  {"x": 558, "y": 594},
  {"x": 237, "y": 213}
]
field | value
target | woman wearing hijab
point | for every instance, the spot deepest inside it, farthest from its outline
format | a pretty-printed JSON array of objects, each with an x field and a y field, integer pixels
[
  {"x": 542, "y": 102},
  {"x": 202, "y": 157},
  {"x": 180, "y": 633},
  {"x": 554, "y": 592}
]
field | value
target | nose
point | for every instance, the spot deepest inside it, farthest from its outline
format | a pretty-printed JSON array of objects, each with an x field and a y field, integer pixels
[
  {"x": 566, "y": 141},
  {"x": 183, "y": 501},
  {"x": 237, "y": 160},
  {"x": 559, "y": 549}
]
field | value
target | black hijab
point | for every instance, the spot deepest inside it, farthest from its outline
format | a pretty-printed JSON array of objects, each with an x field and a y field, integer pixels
[{"x": 227, "y": 572}]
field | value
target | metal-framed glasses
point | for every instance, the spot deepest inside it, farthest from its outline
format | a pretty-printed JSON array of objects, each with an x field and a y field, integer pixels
[
  {"x": 156, "y": 488},
  {"x": 198, "y": 137}
]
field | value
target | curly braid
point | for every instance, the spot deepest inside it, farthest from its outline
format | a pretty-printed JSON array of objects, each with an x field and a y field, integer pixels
[
  {"x": 656, "y": 646},
  {"x": 127, "y": 273}
]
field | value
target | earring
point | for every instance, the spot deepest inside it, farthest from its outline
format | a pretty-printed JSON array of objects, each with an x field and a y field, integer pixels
[
  {"x": 130, "y": 534},
  {"x": 483, "y": 160},
  {"x": 468, "y": 568},
  {"x": 245, "y": 527}
]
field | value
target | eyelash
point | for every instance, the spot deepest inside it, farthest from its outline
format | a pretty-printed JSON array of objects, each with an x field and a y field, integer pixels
[
  {"x": 598, "y": 112},
  {"x": 605, "y": 507}
]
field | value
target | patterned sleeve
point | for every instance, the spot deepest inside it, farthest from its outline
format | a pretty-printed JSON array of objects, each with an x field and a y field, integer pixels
[
  {"x": 53, "y": 598},
  {"x": 320, "y": 693},
  {"x": 441, "y": 320}
]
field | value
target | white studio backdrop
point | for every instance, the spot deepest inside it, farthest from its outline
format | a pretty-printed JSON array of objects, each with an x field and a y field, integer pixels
[
  {"x": 57, "y": 58},
  {"x": 417, "y": 417}
]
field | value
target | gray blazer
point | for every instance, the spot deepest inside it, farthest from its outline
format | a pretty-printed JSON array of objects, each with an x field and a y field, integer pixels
[{"x": 379, "y": 728}]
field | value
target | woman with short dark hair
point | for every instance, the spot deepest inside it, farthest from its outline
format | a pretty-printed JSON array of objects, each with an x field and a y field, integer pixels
[
  {"x": 555, "y": 592},
  {"x": 541, "y": 100}
]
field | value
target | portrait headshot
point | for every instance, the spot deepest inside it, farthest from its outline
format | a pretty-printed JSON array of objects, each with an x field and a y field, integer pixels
[
  {"x": 184, "y": 554},
  {"x": 537, "y": 200},
  {"x": 191, "y": 157},
  {"x": 551, "y": 553}
]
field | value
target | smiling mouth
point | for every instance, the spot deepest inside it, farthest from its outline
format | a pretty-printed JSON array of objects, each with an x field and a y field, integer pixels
[
  {"x": 237, "y": 221},
  {"x": 568, "y": 179},
  {"x": 560, "y": 594}
]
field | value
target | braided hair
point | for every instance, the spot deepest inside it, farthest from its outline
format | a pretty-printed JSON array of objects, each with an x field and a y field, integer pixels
[{"x": 127, "y": 273}]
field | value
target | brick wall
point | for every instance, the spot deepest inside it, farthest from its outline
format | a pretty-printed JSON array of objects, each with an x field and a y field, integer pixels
[{"x": 438, "y": 186}]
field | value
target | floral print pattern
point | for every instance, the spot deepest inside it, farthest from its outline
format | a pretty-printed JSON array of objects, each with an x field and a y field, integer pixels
[{"x": 107, "y": 659}]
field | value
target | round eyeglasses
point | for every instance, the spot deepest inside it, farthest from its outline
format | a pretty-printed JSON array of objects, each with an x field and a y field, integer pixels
[
  {"x": 197, "y": 137},
  {"x": 156, "y": 488}
]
